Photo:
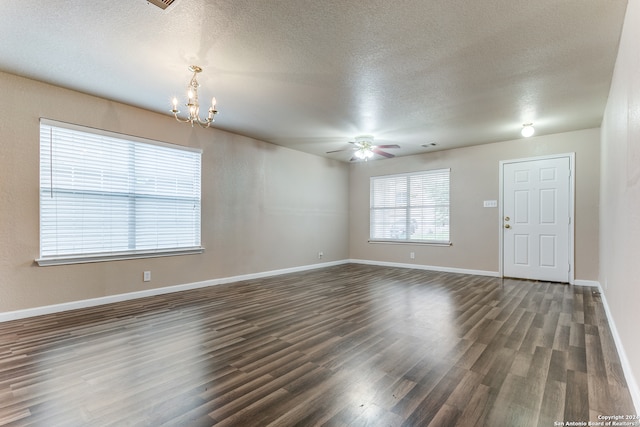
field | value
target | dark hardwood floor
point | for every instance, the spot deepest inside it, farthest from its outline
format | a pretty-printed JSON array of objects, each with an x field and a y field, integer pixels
[{"x": 351, "y": 345}]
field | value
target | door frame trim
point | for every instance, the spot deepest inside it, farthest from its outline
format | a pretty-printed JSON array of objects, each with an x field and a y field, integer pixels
[{"x": 572, "y": 185}]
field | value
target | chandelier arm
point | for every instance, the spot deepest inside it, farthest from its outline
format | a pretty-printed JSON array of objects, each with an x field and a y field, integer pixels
[
  {"x": 202, "y": 124},
  {"x": 175, "y": 114}
]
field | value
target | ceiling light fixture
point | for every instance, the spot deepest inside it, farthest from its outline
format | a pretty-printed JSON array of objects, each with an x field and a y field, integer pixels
[
  {"x": 364, "y": 153},
  {"x": 527, "y": 130},
  {"x": 363, "y": 148},
  {"x": 192, "y": 103},
  {"x": 364, "y": 144}
]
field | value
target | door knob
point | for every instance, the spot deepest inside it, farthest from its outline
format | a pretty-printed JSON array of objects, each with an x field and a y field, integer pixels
[{"x": 507, "y": 226}]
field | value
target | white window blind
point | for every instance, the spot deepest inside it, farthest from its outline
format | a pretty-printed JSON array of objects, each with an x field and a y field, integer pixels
[
  {"x": 411, "y": 207},
  {"x": 105, "y": 195}
]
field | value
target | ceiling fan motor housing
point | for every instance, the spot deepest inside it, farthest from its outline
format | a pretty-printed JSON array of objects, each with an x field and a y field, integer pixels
[{"x": 365, "y": 141}]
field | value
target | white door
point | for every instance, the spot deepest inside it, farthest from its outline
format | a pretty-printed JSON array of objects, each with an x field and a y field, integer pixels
[{"x": 536, "y": 219}]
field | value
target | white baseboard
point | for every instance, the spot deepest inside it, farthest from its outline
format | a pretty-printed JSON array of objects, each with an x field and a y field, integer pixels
[
  {"x": 632, "y": 384},
  {"x": 588, "y": 283},
  {"x": 427, "y": 267},
  {"x": 74, "y": 305}
]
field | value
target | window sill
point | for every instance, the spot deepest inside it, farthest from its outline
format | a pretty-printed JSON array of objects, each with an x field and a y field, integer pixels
[
  {"x": 411, "y": 242},
  {"x": 116, "y": 256}
]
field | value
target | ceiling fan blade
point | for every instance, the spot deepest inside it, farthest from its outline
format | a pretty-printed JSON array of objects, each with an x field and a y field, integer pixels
[
  {"x": 383, "y": 153},
  {"x": 353, "y": 159},
  {"x": 388, "y": 146},
  {"x": 337, "y": 151}
]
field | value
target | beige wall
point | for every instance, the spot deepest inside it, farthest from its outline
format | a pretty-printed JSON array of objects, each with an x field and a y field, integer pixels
[
  {"x": 474, "y": 178},
  {"x": 264, "y": 207},
  {"x": 620, "y": 193}
]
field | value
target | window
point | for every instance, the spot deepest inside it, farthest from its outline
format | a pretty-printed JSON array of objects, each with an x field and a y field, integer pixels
[
  {"x": 110, "y": 196},
  {"x": 411, "y": 207}
]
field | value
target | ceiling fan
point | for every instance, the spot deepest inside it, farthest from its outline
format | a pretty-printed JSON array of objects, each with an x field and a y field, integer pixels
[{"x": 364, "y": 149}]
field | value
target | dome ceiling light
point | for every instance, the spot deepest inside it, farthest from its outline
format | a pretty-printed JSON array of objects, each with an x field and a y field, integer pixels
[{"x": 527, "y": 130}]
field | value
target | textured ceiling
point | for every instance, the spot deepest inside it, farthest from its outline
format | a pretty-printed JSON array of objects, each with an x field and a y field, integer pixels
[{"x": 312, "y": 75}]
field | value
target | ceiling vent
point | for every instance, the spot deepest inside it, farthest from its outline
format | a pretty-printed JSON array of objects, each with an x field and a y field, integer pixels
[{"x": 162, "y": 4}]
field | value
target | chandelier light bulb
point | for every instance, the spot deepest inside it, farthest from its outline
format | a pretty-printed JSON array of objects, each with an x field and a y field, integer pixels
[{"x": 527, "y": 130}]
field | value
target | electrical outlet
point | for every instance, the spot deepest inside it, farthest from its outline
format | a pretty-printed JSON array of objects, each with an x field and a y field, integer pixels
[
  {"x": 146, "y": 276},
  {"x": 412, "y": 255},
  {"x": 320, "y": 255}
]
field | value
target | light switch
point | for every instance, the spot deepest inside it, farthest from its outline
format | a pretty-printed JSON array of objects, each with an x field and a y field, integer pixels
[{"x": 490, "y": 203}]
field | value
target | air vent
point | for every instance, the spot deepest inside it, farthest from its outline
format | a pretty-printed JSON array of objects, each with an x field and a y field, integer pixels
[{"x": 162, "y": 4}]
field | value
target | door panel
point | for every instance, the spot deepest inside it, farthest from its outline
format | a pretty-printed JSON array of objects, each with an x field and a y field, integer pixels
[
  {"x": 536, "y": 221},
  {"x": 521, "y": 207},
  {"x": 521, "y": 249},
  {"x": 548, "y": 213},
  {"x": 548, "y": 255}
]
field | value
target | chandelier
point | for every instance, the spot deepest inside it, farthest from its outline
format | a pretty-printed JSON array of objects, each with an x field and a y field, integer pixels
[{"x": 192, "y": 104}]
